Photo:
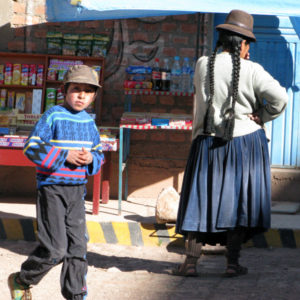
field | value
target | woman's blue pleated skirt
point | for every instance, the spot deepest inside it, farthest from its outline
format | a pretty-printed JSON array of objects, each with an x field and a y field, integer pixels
[{"x": 226, "y": 185}]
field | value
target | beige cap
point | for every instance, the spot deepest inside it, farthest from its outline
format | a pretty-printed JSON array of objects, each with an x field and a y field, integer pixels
[{"x": 82, "y": 74}]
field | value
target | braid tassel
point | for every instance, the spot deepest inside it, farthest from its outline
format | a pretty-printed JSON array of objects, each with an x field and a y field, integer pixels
[
  {"x": 209, "y": 127},
  {"x": 228, "y": 130}
]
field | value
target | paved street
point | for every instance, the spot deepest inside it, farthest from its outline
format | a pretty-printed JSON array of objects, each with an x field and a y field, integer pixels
[{"x": 118, "y": 272}]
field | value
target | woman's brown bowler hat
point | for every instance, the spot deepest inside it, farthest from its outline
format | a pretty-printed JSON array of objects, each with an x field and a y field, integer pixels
[{"x": 240, "y": 22}]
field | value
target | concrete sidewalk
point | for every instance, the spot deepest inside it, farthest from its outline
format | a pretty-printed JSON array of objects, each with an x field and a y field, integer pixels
[{"x": 137, "y": 226}]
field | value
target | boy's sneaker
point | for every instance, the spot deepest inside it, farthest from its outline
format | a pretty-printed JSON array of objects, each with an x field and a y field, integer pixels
[{"x": 18, "y": 290}]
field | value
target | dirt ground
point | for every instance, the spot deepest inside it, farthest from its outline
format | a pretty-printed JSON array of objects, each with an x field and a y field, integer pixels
[{"x": 118, "y": 272}]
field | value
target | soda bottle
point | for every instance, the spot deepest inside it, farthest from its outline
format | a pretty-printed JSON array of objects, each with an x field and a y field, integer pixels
[
  {"x": 186, "y": 75},
  {"x": 156, "y": 76},
  {"x": 165, "y": 76},
  {"x": 175, "y": 75}
]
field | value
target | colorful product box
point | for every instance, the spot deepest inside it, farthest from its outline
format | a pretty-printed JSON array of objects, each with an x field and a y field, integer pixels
[
  {"x": 1, "y": 74},
  {"x": 8, "y": 74},
  {"x": 10, "y": 99},
  {"x": 24, "y": 75},
  {"x": 36, "y": 101},
  {"x": 39, "y": 76},
  {"x": 20, "y": 102},
  {"x": 32, "y": 74},
  {"x": 16, "y": 75}
]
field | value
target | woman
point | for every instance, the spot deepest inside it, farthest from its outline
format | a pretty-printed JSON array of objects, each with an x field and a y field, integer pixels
[{"x": 226, "y": 194}]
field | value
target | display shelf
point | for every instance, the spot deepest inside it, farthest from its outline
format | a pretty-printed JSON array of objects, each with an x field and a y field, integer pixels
[
  {"x": 156, "y": 93},
  {"x": 20, "y": 87},
  {"x": 152, "y": 127},
  {"x": 44, "y": 59}
]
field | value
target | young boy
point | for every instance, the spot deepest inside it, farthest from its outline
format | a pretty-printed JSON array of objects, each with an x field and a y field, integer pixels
[{"x": 65, "y": 146}]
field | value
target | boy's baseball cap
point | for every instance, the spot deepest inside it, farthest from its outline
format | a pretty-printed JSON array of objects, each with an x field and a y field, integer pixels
[{"x": 82, "y": 74}]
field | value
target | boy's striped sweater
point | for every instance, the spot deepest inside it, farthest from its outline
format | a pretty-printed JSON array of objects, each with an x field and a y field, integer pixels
[{"x": 58, "y": 131}]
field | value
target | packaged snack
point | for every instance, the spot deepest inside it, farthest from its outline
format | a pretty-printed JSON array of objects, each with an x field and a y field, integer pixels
[
  {"x": 10, "y": 99},
  {"x": 1, "y": 74},
  {"x": 61, "y": 74},
  {"x": 138, "y": 70},
  {"x": 8, "y": 73},
  {"x": 16, "y": 75},
  {"x": 69, "y": 46},
  {"x": 137, "y": 84},
  {"x": 36, "y": 101},
  {"x": 97, "y": 69},
  {"x": 20, "y": 102},
  {"x": 39, "y": 76},
  {"x": 32, "y": 74},
  {"x": 100, "y": 45},
  {"x": 3, "y": 94},
  {"x": 84, "y": 47},
  {"x": 24, "y": 74},
  {"x": 28, "y": 102},
  {"x": 54, "y": 42},
  {"x": 59, "y": 97},
  {"x": 52, "y": 72},
  {"x": 50, "y": 97}
]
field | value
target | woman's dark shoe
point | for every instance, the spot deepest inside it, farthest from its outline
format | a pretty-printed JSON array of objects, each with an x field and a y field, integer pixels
[{"x": 235, "y": 270}]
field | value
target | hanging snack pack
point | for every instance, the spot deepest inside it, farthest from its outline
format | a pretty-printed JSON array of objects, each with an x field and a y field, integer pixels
[
  {"x": 11, "y": 99},
  {"x": 84, "y": 47},
  {"x": 16, "y": 75},
  {"x": 3, "y": 94},
  {"x": 8, "y": 73},
  {"x": 54, "y": 42},
  {"x": 59, "y": 97},
  {"x": 20, "y": 102},
  {"x": 69, "y": 46},
  {"x": 24, "y": 74},
  {"x": 50, "y": 97},
  {"x": 1, "y": 74},
  {"x": 100, "y": 45},
  {"x": 39, "y": 75},
  {"x": 32, "y": 74}
]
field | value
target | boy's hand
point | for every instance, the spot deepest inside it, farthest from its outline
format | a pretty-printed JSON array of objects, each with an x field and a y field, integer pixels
[
  {"x": 86, "y": 156},
  {"x": 79, "y": 158}
]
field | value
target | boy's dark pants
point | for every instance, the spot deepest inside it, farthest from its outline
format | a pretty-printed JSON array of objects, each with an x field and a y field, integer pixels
[{"x": 62, "y": 235}]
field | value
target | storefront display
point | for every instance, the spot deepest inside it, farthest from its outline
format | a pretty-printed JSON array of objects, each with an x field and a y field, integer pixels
[{"x": 31, "y": 83}]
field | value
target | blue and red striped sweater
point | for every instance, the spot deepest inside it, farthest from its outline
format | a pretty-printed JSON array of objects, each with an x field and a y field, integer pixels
[{"x": 58, "y": 131}]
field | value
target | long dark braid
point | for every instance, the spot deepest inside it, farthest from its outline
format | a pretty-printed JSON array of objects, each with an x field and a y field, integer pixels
[
  {"x": 209, "y": 116},
  {"x": 229, "y": 114},
  {"x": 231, "y": 42}
]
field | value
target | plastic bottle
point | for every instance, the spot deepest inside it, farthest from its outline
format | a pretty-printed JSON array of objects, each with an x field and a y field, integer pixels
[
  {"x": 156, "y": 76},
  {"x": 175, "y": 75},
  {"x": 186, "y": 76},
  {"x": 165, "y": 76},
  {"x": 192, "y": 75}
]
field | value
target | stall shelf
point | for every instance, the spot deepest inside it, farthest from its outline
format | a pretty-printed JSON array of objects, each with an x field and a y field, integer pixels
[
  {"x": 45, "y": 59},
  {"x": 125, "y": 136}
]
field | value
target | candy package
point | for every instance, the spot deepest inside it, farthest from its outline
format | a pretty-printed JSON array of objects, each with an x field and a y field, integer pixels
[
  {"x": 24, "y": 74},
  {"x": 39, "y": 76},
  {"x": 100, "y": 45},
  {"x": 54, "y": 42},
  {"x": 10, "y": 99},
  {"x": 1, "y": 74},
  {"x": 20, "y": 102},
  {"x": 8, "y": 73},
  {"x": 84, "y": 47},
  {"x": 32, "y": 74},
  {"x": 16, "y": 75},
  {"x": 69, "y": 46}
]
